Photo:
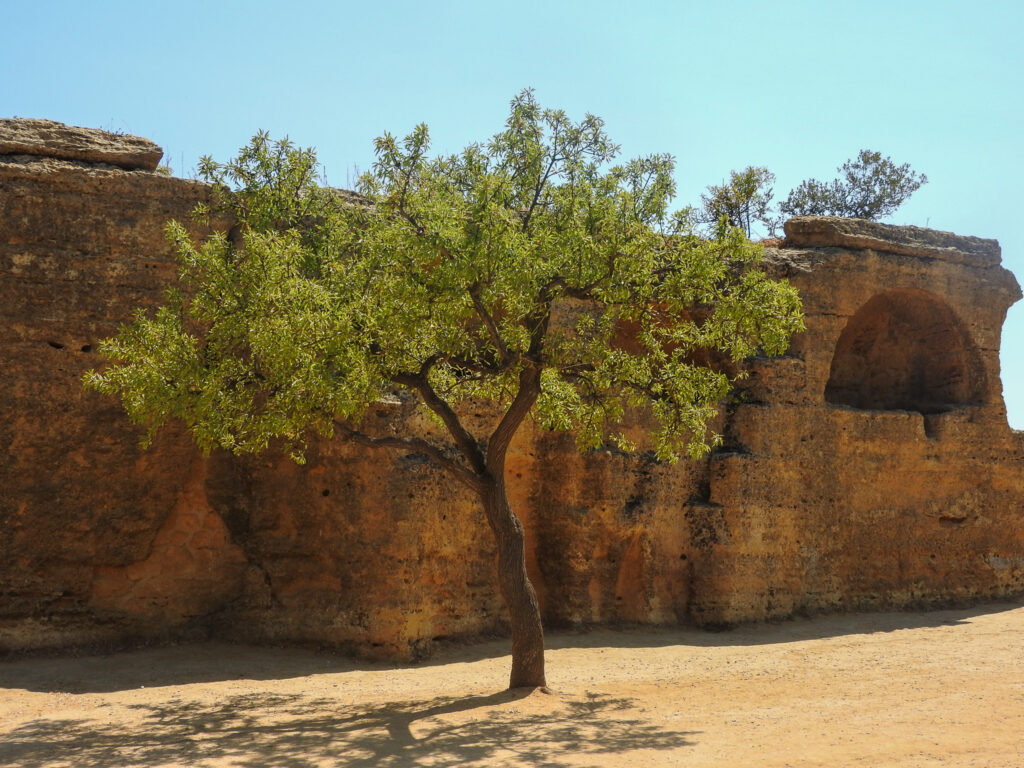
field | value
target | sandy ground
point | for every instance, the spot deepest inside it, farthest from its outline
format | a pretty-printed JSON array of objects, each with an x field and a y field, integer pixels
[{"x": 942, "y": 688}]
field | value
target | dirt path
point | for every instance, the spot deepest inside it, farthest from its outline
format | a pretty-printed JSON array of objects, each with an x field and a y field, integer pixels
[{"x": 902, "y": 689}]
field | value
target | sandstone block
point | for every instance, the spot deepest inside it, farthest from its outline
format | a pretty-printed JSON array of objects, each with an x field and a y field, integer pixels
[
  {"x": 832, "y": 231},
  {"x": 47, "y": 138}
]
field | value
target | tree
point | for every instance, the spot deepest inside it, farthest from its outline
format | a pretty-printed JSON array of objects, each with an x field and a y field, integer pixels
[
  {"x": 745, "y": 199},
  {"x": 873, "y": 187},
  {"x": 506, "y": 274}
]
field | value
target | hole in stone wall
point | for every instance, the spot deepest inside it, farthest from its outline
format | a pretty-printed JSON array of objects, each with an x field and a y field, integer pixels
[
  {"x": 55, "y": 344},
  {"x": 87, "y": 348},
  {"x": 905, "y": 350}
]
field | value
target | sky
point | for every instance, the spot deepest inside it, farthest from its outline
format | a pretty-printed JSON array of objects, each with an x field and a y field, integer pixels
[{"x": 798, "y": 87}]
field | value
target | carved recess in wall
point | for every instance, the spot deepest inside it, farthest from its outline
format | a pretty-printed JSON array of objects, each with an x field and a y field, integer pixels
[{"x": 905, "y": 350}]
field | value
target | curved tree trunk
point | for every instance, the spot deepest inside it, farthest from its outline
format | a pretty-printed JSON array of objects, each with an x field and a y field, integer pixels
[
  {"x": 516, "y": 589},
  {"x": 485, "y": 474}
]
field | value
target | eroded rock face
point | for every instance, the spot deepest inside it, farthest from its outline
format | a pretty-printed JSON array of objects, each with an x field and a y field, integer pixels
[
  {"x": 873, "y": 464},
  {"x": 905, "y": 349},
  {"x": 46, "y": 138},
  {"x": 860, "y": 234},
  {"x": 90, "y": 550},
  {"x": 870, "y": 466}
]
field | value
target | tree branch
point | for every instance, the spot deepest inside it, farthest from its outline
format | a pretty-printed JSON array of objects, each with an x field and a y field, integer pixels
[
  {"x": 467, "y": 364},
  {"x": 488, "y": 321},
  {"x": 415, "y": 445},
  {"x": 497, "y": 446},
  {"x": 529, "y": 387},
  {"x": 544, "y": 179},
  {"x": 465, "y": 442},
  {"x": 421, "y": 231}
]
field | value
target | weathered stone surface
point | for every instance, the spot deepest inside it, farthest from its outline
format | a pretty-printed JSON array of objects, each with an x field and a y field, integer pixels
[
  {"x": 80, "y": 246},
  {"x": 871, "y": 466},
  {"x": 832, "y": 231},
  {"x": 46, "y": 138}
]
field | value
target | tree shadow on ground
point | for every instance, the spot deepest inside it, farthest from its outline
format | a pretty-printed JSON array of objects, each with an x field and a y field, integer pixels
[
  {"x": 788, "y": 630},
  {"x": 292, "y": 731},
  {"x": 171, "y": 665},
  {"x": 183, "y": 665}
]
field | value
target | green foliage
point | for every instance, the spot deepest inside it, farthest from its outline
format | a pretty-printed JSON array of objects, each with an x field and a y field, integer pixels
[
  {"x": 745, "y": 199},
  {"x": 872, "y": 187},
  {"x": 527, "y": 260}
]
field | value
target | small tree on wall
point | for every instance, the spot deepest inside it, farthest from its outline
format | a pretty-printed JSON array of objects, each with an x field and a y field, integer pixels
[
  {"x": 872, "y": 187},
  {"x": 440, "y": 285},
  {"x": 742, "y": 201}
]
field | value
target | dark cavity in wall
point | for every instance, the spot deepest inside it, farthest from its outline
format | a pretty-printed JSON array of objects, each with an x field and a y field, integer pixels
[{"x": 905, "y": 350}]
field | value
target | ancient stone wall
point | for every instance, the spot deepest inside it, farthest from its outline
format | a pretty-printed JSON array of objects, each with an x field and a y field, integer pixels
[
  {"x": 97, "y": 538},
  {"x": 871, "y": 466}
]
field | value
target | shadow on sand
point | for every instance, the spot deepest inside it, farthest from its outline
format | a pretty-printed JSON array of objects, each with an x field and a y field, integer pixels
[
  {"x": 181, "y": 665},
  {"x": 292, "y": 731},
  {"x": 277, "y": 730},
  {"x": 788, "y": 630}
]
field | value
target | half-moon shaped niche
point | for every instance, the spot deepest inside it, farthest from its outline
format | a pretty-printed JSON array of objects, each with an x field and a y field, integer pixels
[{"x": 905, "y": 350}]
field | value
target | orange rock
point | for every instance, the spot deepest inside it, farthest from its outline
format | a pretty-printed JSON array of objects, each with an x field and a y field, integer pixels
[{"x": 870, "y": 467}]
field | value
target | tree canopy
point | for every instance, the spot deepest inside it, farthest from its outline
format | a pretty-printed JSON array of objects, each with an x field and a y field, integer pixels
[
  {"x": 742, "y": 201},
  {"x": 529, "y": 271},
  {"x": 872, "y": 187}
]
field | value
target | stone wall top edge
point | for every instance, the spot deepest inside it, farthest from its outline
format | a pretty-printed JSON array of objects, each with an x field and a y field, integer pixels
[
  {"x": 22, "y": 139},
  {"x": 48, "y": 138},
  {"x": 888, "y": 268},
  {"x": 860, "y": 234},
  {"x": 59, "y": 170}
]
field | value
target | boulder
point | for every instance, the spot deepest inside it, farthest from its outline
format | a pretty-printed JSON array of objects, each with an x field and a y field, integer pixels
[
  {"x": 861, "y": 234},
  {"x": 47, "y": 138}
]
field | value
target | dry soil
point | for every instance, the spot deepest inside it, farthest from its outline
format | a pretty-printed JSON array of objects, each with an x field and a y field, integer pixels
[{"x": 941, "y": 688}]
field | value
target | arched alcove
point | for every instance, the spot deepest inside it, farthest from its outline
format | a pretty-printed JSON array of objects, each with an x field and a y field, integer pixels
[{"x": 905, "y": 350}]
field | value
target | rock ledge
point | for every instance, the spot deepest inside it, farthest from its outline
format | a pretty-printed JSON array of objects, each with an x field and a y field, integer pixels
[
  {"x": 826, "y": 231},
  {"x": 47, "y": 138}
]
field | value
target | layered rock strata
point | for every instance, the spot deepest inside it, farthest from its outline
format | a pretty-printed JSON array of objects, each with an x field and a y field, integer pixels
[
  {"x": 871, "y": 466},
  {"x": 46, "y": 138}
]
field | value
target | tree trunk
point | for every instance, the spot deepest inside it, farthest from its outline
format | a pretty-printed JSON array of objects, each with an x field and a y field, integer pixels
[{"x": 516, "y": 589}]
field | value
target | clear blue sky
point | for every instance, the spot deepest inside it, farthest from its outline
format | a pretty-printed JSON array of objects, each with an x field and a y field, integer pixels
[{"x": 795, "y": 86}]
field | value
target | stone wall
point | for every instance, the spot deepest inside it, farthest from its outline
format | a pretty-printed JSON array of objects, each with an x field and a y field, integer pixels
[
  {"x": 98, "y": 539},
  {"x": 871, "y": 466}
]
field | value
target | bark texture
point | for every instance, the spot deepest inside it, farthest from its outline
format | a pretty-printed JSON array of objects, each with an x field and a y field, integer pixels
[
  {"x": 513, "y": 579},
  {"x": 516, "y": 590}
]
